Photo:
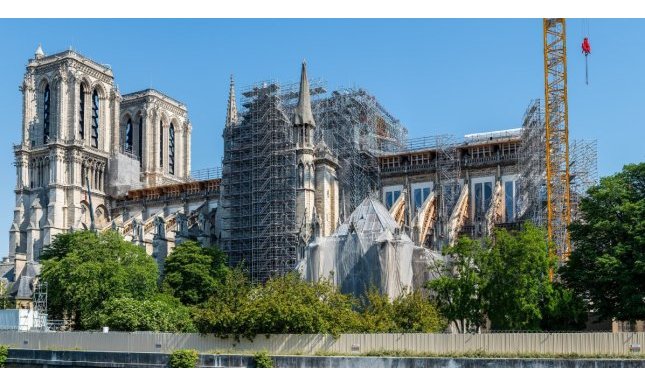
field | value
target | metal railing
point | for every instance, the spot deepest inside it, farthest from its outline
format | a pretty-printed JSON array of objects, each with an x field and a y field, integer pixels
[{"x": 206, "y": 173}]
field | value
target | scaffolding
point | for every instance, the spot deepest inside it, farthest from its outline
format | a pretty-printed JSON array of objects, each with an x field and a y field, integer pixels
[
  {"x": 532, "y": 166},
  {"x": 584, "y": 171},
  {"x": 259, "y": 182},
  {"x": 258, "y": 199},
  {"x": 39, "y": 299},
  {"x": 357, "y": 129},
  {"x": 448, "y": 167}
]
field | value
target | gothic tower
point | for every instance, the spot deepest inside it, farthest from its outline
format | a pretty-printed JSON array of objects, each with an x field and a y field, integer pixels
[
  {"x": 69, "y": 132},
  {"x": 304, "y": 124}
]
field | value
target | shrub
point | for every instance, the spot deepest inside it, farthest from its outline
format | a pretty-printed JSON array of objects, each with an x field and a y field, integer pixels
[
  {"x": 4, "y": 353},
  {"x": 263, "y": 360},
  {"x": 184, "y": 358}
]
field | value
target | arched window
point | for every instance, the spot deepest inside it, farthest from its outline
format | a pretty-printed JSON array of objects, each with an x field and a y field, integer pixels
[
  {"x": 128, "y": 136},
  {"x": 301, "y": 175},
  {"x": 95, "y": 119},
  {"x": 161, "y": 143},
  {"x": 81, "y": 112},
  {"x": 140, "y": 149},
  {"x": 46, "y": 118},
  {"x": 171, "y": 149}
]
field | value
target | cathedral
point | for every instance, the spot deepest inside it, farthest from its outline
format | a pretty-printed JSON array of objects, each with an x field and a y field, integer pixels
[{"x": 315, "y": 181}]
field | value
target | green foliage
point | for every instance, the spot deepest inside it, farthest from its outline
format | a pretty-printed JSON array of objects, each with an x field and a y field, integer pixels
[
  {"x": 414, "y": 313},
  {"x": 516, "y": 275},
  {"x": 378, "y": 313},
  {"x": 507, "y": 281},
  {"x": 183, "y": 358},
  {"x": 4, "y": 353},
  {"x": 607, "y": 265},
  {"x": 263, "y": 360},
  {"x": 288, "y": 304},
  {"x": 5, "y": 303},
  {"x": 563, "y": 310},
  {"x": 84, "y": 269},
  {"x": 160, "y": 314},
  {"x": 193, "y": 273},
  {"x": 407, "y": 313},
  {"x": 457, "y": 288}
]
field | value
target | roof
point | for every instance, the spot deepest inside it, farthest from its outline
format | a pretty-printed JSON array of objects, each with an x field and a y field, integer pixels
[
  {"x": 370, "y": 218},
  {"x": 152, "y": 93}
]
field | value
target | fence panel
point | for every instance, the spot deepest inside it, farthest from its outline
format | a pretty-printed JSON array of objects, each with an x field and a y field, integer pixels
[{"x": 592, "y": 343}]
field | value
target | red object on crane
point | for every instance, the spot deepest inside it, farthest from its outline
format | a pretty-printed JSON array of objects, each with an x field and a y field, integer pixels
[{"x": 586, "y": 47}]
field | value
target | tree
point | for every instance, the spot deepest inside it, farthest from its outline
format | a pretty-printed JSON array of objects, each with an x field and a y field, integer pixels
[
  {"x": 377, "y": 313},
  {"x": 457, "y": 288},
  {"x": 84, "y": 269},
  {"x": 516, "y": 273},
  {"x": 607, "y": 265},
  {"x": 414, "y": 313},
  {"x": 219, "y": 314},
  {"x": 159, "y": 314},
  {"x": 289, "y": 304},
  {"x": 192, "y": 272},
  {"x": 563, "y": 310},
  {"x": 4, "y": 295}
]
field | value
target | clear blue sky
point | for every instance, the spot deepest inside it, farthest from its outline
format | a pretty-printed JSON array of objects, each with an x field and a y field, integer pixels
[{"x": 436, "y": 76}]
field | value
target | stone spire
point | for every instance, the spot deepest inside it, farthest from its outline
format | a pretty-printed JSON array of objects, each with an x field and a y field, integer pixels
[
  {"x": 39, "y": 52},
  {"x": 303, "y": 114},
  {"x": 231, "y": 110}
]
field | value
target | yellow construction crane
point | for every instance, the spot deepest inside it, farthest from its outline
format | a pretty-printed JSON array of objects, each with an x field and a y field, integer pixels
[{"x": 557, "y": 136}]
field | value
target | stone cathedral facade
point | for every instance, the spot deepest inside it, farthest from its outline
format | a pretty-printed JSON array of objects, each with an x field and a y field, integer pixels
[{"x": 83, "y": 146}]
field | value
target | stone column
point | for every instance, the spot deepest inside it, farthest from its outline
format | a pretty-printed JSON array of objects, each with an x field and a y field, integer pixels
[
  {"x": 187, "y": 139},
  {"x": 28, "y": 105}
]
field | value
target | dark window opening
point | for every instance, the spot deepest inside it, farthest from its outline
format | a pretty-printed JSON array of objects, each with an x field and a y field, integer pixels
[
  {"x": 46, "y": 104},
  {"x": 128, "y": 136},
  {"x": 161, "y": 143},
  {"x": 95, "y": 119},
  {"x": 81, "y": 112},
  {"x": 140, "y": 149},
  {"x": 171, "y": 149}
]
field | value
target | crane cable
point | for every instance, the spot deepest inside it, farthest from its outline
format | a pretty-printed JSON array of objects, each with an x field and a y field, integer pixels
[{"x": 586, "y": 47}]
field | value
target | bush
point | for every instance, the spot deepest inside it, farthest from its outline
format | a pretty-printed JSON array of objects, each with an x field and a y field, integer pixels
[
  {"x": 184, "y": 358},
  {"x": 4, "y": 353},
  {"x": 263, "y": 360},
  {"x": 163, "y": 313}
]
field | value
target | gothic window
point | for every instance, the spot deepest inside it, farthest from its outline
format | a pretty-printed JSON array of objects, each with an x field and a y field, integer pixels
[
  {"x": 95, "y": 119},
  {"x": 301, "y": 175},
  {"x": 161, "y": 143},
  {"x": 81, "y": 112},
  {"x": 128, "y": 136},
  {"x": 140, "y": 149},
  {"x": 483, "y": 195},
  {"x": 46, "y": 117},
  {"x": 171, "y": 149}
]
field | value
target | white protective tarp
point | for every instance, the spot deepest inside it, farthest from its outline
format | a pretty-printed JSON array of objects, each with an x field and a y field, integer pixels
[{"x": 368, "y": 250}]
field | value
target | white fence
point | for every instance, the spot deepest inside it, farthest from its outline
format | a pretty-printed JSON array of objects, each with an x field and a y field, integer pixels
[{"x": 494, "y": 343}]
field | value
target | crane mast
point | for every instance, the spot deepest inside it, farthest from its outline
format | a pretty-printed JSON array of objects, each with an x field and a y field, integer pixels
[{"x": 557, "y": 137}]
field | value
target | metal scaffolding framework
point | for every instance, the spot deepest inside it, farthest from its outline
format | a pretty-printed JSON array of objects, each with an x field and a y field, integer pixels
[
  {"x": 357, "y": 129},
  {"x": 259, "y": 184},
  {"x": 583, "y": 170},
  {"x": 259, "y": 168},
  {"x": 532, "y": 166}
]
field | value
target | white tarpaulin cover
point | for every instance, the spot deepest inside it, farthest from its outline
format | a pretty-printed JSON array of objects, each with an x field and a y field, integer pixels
[{"x": 368, "y": 250}]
